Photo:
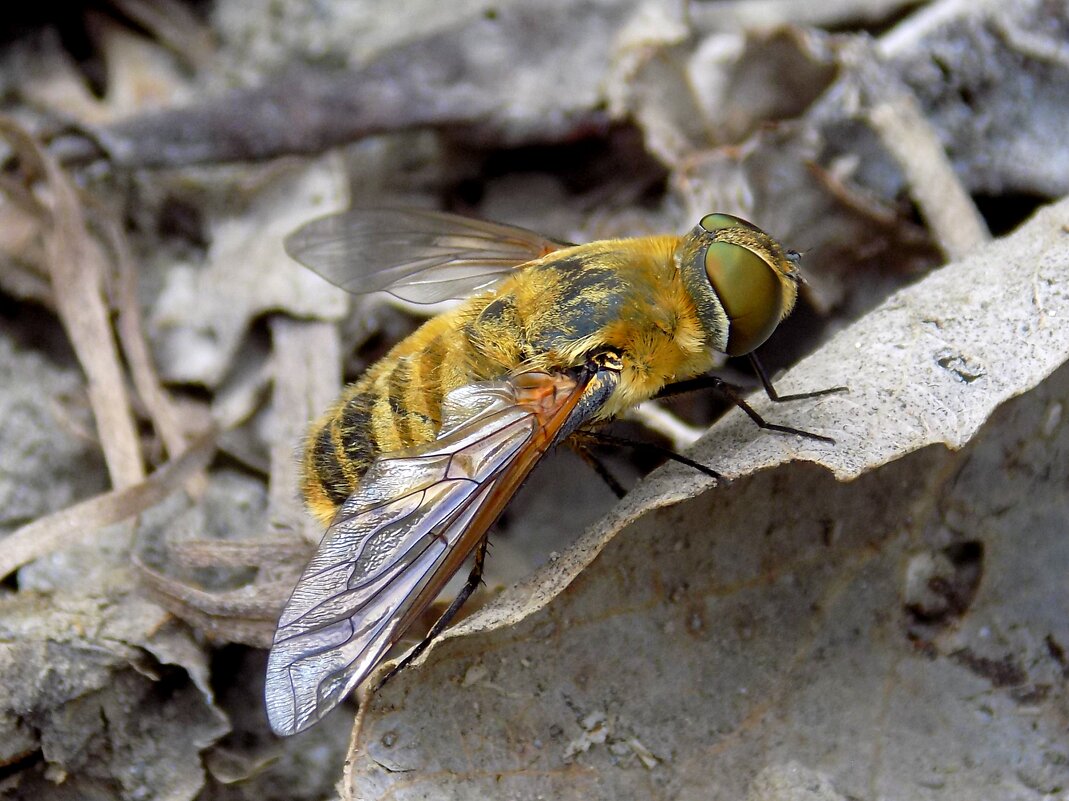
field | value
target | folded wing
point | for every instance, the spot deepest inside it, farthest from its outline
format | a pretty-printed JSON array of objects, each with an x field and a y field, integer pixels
[{"x": 412, "y": 522}]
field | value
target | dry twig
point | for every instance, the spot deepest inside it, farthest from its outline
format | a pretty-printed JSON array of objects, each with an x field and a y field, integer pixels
[{"x": 80, "y": 522}]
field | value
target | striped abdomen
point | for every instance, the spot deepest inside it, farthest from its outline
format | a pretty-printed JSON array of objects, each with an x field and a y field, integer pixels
[
  {"x": 396, "y": 404},
  {"x": 386, "y": 410}
]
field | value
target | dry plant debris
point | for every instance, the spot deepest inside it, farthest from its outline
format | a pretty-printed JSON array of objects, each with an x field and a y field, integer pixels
[{"x": 881, "y": 618}]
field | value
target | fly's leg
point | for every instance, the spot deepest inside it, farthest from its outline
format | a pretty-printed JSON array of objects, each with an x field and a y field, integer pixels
[
  {"x": 774, "y": 396},
  {"x": 579, "y": 443},
  {"x": 734, "y": 394},
  {"x": 652, "y": 447},
  {"x": 474, "y": 579}
]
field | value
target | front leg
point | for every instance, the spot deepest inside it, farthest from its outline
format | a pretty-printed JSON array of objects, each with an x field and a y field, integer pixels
[
  {"x": 734, "y": 394},
  {"x": 774, "y": 396}
]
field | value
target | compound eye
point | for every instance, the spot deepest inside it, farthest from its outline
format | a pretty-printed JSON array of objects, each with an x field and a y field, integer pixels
[
  {"x": 718, "y": 222},
  {"x": 749, "y": 290}
]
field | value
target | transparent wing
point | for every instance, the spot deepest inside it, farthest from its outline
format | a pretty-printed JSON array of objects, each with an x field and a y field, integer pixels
[
  {"x": 419, "y": 256},
  {"x": 412, "y": 522}
]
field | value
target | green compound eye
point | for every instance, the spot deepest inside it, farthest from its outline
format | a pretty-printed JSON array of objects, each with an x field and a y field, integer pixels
[
  {"x": 718, "y": 222},
  {"x": 748, "y": 288}
]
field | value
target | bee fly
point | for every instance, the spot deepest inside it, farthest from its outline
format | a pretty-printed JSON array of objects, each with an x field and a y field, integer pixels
[{"x": 416, "y": 459}]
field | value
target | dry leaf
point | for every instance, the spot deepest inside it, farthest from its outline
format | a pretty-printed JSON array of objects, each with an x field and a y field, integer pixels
[
  {"x": 82, "y": 521},
  {"x": 45, "y": 428},
  {"x": 83, "y": 694},
  {"x": 204, "y": 310}
]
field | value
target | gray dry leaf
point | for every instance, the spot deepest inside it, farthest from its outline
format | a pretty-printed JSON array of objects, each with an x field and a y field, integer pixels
[
  {"x": 555, "y": 53},
  {"x": 978, "y": 68},
  {"x": 784, "y": 622},
  {"x": 48, "y": 441},
  {"x": 88, "y": 689},
  {"x": 327, "y": 74},
  {"x": 204, "y": 310}
]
